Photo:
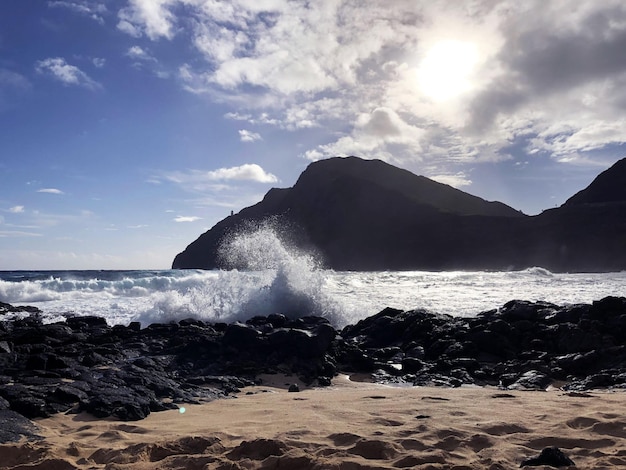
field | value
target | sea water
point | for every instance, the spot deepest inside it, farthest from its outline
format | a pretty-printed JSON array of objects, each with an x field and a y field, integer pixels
[{"x": 274, "y": 278}]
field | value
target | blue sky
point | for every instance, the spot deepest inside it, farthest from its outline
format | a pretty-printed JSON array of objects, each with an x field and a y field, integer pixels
[{"x": 129, "y": 127}]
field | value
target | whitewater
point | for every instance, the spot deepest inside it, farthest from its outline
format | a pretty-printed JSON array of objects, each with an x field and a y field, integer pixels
[{"x": 275, "y": 278}]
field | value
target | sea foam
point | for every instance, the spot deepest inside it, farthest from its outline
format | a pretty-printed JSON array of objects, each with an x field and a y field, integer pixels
[{"x": 271, "y": 278}]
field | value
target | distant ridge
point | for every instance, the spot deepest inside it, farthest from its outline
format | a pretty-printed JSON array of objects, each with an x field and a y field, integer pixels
[
  {"x": 608, "y": 187},
  {"x": 368, "y": 215}
]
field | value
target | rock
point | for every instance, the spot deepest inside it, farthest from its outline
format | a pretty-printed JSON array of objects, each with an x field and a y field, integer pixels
[
  {"x": 15, "y": 427},
  {"x": 293, "y": 388},
  {"x": 531, "y": 380},
  {"x": 551, "y": 456}
]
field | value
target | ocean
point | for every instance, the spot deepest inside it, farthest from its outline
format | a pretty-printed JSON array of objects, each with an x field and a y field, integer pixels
[{"x": 281, "y": 280}]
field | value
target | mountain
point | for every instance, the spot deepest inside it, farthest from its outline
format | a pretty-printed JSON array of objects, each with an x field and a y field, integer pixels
[
  {"x": 608, "y": 187},
  {"x": 368, "y": 215}
]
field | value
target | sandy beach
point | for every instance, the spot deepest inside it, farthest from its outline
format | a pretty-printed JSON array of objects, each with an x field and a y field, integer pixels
[{"x": 351, "y": 425}]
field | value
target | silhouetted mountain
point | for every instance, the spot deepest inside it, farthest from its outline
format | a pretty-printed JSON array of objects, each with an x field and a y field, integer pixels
[
  {"x": 368, "y": 215},
  {"x": 608, "y": 187}
]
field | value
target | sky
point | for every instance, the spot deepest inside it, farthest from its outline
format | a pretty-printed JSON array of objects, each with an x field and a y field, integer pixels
[{"x": 130, "y": 127}]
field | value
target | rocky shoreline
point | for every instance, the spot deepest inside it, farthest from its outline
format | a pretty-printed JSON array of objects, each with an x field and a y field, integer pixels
[{"x": 127, "y": 372}]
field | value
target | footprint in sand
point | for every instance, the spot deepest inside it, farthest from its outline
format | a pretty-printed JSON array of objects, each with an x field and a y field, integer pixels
[
  {"x": 503, "y": 429},
  {"x": 386, "y": 422},
  {"x": 569, "y": 443},
  {"x": 129, "y": 428},
  {"x": 582, "y": 422},
  {"x": 344, "y": 438},
  {"x": 610, "y": 428}
]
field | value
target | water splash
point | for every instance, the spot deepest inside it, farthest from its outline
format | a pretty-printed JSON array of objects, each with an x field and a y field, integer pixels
[{"x": 270, "y": 277}]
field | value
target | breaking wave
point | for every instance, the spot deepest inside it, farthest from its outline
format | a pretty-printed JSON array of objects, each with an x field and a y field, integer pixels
[{"x": 271, "y": 278}]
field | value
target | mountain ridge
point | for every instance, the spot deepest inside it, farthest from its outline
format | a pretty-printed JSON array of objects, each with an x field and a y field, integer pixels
[{"x": 369, "y": 215}]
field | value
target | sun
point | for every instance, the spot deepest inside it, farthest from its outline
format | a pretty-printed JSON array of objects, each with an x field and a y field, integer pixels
[{"x": 446, "y": 70}]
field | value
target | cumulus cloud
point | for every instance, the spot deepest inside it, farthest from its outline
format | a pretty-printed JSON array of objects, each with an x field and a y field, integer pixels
[
  {"x": 50, "y": 191},
  {"x": 68, "y": 74},
  {"x": 546, "y": 77},
  {"x": 246, "y": 172},
  {"x": 150, "y": 17},
  {"x": 183, "y": 218},
  {"x": 207, "y": 179},
  {"x": 248, "y": 136}
]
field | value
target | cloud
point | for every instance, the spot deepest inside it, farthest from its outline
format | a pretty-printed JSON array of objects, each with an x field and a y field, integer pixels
[
  {"x": 137, "y": 53},
  {"x": 182, "y": 218},
  {"x": 17, "y": 234},
  {"x": 93, "y": 10},
  {"x": 50, "y": 191},
  {"x": 149, "y": 17},
  {"x": 14, "y": 80},
  {"x": 457, "y": 180},
  {"x": 16, "y": 209},
  {"x": 546, "y": 77},
  {"x": 246, "y": 172},
  {"x": 206, "y": 180},
  {"x": 248, "y": 136},
  {"x": 59, "y": 69},
  {"x": 98, "y": 62}
]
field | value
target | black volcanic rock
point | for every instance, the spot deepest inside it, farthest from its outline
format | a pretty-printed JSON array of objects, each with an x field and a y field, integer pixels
[
  {"x": 367, "y": 215},
  {"x": 131, "y": 373}
]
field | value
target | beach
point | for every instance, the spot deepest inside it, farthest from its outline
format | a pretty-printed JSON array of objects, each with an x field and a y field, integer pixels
[{"x": 354, "y": 424}]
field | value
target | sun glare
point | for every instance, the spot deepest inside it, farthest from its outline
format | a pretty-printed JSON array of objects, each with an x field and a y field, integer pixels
[{"x": 446, "y": 70}]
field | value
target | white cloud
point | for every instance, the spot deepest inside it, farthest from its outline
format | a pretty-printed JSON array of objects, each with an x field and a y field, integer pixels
[
  {"x": 182, "y": 218},
  {"x": 457, "y": 180},
  {"x": 546, "y": 77},
  {"x": 58, "y": 68},
  {"x": 149, "y": 17},
  {"x": 246, "y": 172},
  {"x": 206, "y": 180},
  {"x": 50, "y": 191},
  {"x": 16, "y": 209},
  {"x": 248, "y": 136},
  {"x": 98, "y": 62},
  {"x": 137, "y": 53},
  {"x": 93, "y": 10}
]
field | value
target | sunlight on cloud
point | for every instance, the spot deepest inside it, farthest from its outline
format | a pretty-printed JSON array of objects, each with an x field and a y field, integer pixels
[
  {"x": 436, "y": 82},
  {"x": 458, "y": 180},
  {"x": 445, "y": 72}
]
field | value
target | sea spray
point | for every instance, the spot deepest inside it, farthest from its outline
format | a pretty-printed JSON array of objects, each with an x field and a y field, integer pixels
[{"x": 271, "y": 277}]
